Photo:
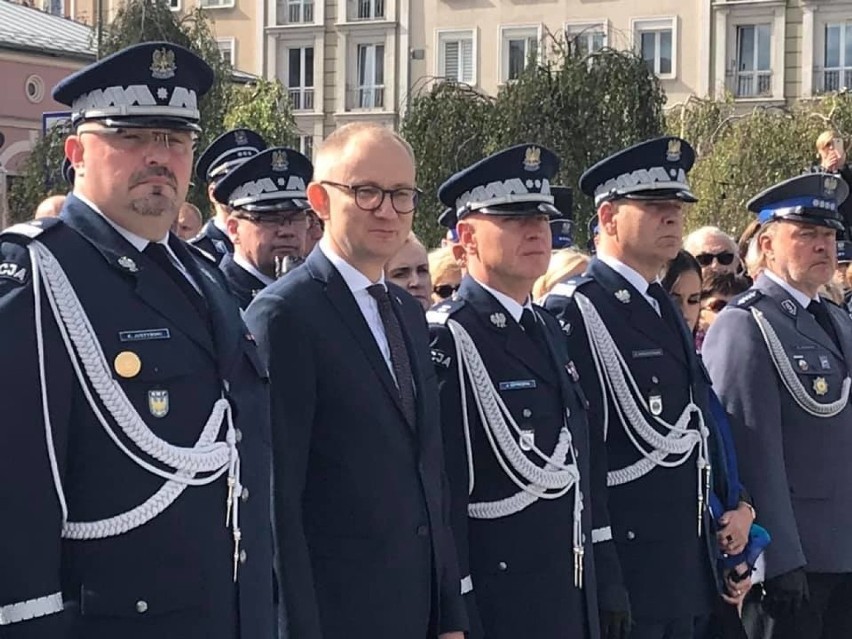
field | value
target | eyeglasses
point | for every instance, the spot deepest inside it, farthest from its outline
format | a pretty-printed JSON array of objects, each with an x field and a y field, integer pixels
[
  {"x": 445, "y": 290},
  {"x": 706, "y": 259},
  {"x": 370, "y": 198},
  {"x": 179, "y": 143}
]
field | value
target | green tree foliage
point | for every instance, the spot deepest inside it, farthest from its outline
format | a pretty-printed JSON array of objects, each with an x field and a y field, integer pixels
[
  {"x": 41, "y": 176},
  {"x": 740, "y": 153},
  {"x": 262, "y": 106},
  {"x": 583, "y": 107},
  {"x": 447, "y": 125}
]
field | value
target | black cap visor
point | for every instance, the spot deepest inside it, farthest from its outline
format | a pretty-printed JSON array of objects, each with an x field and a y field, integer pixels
[
  {"x": 518, "y": 208},
  {"x": 153, "y": 122},
  {"x": 659, "y": 195},
  {"x": 817, "y": 217},
  {"x": 279, "y": 206}
]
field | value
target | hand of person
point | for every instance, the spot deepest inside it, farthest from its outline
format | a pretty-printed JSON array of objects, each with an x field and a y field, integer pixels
[
  {"x": 737, "y": 585},
  {"x": 451, "y": 635},
  {"x": 614, "y": 612},
  {"x": 734, "y": 526},
  {"x": 786, "y": 592}
]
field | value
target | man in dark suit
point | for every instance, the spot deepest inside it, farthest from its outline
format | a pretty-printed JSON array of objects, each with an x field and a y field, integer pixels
[
  {"x": 648, "y": 392},
  {"x": 223, "y": 155},
  {"x": 135, "y": 460},
  {"x": 780, "y": 358},
  {"x": 268, "y": 221},
  {"x": 513, "y": 413},
  {"x": 361, "y": 510}
]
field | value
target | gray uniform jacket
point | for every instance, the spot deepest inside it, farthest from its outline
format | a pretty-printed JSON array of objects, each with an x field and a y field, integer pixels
[{"x": 798, "y": 467}]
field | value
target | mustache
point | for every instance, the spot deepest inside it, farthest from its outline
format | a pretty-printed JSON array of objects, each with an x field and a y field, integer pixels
[{"x": 154, "y": 171}]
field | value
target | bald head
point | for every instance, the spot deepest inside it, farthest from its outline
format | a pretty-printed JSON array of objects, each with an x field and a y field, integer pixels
[
  {"x": 50, "y": 207},
  {"x": 341, "y": 141}
]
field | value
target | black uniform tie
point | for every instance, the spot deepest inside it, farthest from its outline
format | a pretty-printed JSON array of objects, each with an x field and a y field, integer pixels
[
  {"x": 656, "y": 291},
  {"x": 157, "y": 252},
  {"x": 398, "y": 351},
  {"x": 533, "y": 330},
  {"x": 820, "y": 313}
]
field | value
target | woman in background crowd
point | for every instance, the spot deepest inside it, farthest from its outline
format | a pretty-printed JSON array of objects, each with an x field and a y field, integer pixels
[
  {"x": 716, "y": 292},
  {"x": 446, "y": 272},
  {"x": 409, "y": 268},
  {"x": 564, "y": 264},
  {"x": 682, "y": 280}
]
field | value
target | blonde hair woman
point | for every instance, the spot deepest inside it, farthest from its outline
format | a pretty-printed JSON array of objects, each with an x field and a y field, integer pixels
[
  {"x": 446, "y": 272},
  {"x": 564, "y": 263}
]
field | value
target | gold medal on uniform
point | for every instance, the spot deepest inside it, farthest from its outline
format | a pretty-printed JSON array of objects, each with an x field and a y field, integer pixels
[
  {"x": 127, "y": 364},
  {"x": 655, "y": 404},
  {"x": 820, "y": 386}
]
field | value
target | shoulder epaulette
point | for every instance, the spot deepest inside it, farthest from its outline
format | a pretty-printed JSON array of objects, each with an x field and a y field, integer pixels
[
  {"x": 200, "y": 252},
  {"x": 31, "y": 229},
  {"x": 744, "y": 300},
  {"x": 569, "y": 287},
  {"x": 440, "y": 313}
]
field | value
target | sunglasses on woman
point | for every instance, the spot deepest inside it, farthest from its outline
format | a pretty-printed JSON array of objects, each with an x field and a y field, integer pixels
[
  {"x": 445, "y": 290},
  {"x": 706, "y": 259}
]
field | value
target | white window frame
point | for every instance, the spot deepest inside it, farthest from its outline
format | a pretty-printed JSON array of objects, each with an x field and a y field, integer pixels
[
  {"x": 587, "y": 29},
  {"x": 844, "y": 71},
  {"x": 306, "y": 94},
  {"x": 638, "y": 26},
  {"x": 367, "y": 96},
  {"x": 284, "y": 10},
  {"x": 444, "y": 36},
  {"x": 517, "y": 32},
  {"x": 353, "y": 7},
  {"x": 725, "y": 64},
  {"x": 305, "y": 140},
  {"x": 232, "y": 45},
  {"x": 217, "y": 4},
  {"x": 755, "y": 76},
  {"x": 175, "y": 5}
]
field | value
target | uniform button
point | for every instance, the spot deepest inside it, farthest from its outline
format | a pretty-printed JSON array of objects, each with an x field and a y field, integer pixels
[
  {"x": 238, "y": 434},
  {"x": 631, "y": 535},
  {"x": 244, "y": 495},
  {"x": 141, "y": 606},
  {"x": 527, "y": 412},
  {"x": 502, "y": 566},
  {"x": 243, "y": 556},
  {"x": 655, "y": 379}
]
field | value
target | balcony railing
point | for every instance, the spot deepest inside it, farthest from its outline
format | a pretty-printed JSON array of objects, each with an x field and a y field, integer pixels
[
  {"x": 829, "y": 80},
  {"x": 752, "y": 84},
  {"x": 366, "y": 97},
  {"x": 302, "y": 98},
  {"x": 295, "y": 13},
  {"x": 366, "y": 9}
]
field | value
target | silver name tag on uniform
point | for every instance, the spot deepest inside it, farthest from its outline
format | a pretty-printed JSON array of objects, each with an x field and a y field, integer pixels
[
  {"x": 144, "y": 335},
  {"x": 651, "y": 352},
  {"x": 518, "y": 384}
]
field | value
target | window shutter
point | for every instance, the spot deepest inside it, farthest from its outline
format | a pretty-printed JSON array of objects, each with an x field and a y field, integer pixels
[{"x": 467, "y": 61}]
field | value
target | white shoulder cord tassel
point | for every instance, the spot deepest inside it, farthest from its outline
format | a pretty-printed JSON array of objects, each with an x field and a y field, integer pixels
[
  {"x": 617, "y": 381},
  {"x": 85, "y": 353},
  {"x": 791, "y": 379},
  {"x": 551, "y": 481}
]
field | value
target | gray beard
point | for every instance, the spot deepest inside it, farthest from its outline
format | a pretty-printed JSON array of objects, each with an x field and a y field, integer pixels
[{"x": 154, "y": 205}]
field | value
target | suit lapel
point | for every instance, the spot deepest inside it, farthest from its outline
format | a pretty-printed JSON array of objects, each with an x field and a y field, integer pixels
[
  {"x": 341, "y": 298},
  {"x": 515, "y": 341},
  {"x": 152, "y": 285},
  {"x": 804, "y": 322},
  {"x": 638, "y": 313}
]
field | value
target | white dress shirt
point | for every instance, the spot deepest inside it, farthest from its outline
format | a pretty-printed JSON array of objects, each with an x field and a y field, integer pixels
[
  {"x": 358, "y": 283},
  {"x": 514, "y": 309},
  {"x": 239, "y": 260},
  {"x": 633, "y": 277},
  {"x": 140, "y": 243},
  {"x": 795, "y": 293}
]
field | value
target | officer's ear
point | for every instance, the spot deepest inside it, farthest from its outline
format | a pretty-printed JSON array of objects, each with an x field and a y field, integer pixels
[
  {"x": 74, "y": 152},
  {"x": 466, "y": 231},
  {"x": 232, "y": 225},
  {"x": 210, "y": 188},
  {"x": 318, "y": 198},
  {"x": 606, "y": 217}
]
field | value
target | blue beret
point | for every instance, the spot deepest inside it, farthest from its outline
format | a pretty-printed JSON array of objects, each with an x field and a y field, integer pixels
[
  {"x": 813, "y": 198},
  {"x": 844, "y": 251},
  {"x": 153, "y": 84},
  {"x": 514, "y": 181},
  {"x": 272, "y": 180},
  {"x": 226, "y": 152},
  {"x": 68, "y": 171},
  {"x": 651, "y": 170}
]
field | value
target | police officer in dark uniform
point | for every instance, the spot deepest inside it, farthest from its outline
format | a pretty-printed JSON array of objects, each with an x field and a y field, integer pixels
[
  {"x": 780, "y": 356},
  {"x": 268, "y": 221},
  {"x": 648, "y": 392},
  {"x": 515, "y": 431},
  {"x": 138, "y": 419},
  {"x": 562, "y": 228},
  {"x": 224, "y": 154}
]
